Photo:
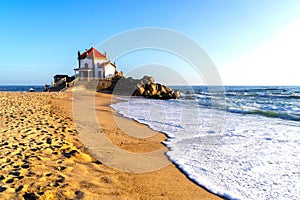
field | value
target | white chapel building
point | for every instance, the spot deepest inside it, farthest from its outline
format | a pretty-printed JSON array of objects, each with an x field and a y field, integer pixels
[{"x": 94, "y": 65}]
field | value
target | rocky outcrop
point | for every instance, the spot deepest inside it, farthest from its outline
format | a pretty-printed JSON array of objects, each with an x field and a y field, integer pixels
[
  {"x": 145, "y": 87},
  {"x": 157, "y": 91},
  {"x": 127, "y": 86}
]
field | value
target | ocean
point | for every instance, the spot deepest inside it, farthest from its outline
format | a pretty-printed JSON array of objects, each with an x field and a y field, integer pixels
[
  {"x": 246, "y": 146},
  {"x": 21, "y": 88}
]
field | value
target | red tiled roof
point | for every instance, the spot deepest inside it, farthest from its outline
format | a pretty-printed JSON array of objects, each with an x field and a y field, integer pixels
[
  {"x": 102, "y": 64},
  {"x": 88, "y": 54},
  {"x": 106, "y": 63}
]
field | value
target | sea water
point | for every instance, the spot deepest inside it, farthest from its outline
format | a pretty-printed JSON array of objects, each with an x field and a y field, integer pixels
[
  {"x": 253, "y": 154},
  {"x": 21, "y": 88}
]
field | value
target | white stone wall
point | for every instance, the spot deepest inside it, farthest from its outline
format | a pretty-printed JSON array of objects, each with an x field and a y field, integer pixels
[
  {"x": 97, "y": 69},
  {"x": 109, "y": 70},
  {"x": 86, "y": 60},
  {"x": 101, "y": 73}
]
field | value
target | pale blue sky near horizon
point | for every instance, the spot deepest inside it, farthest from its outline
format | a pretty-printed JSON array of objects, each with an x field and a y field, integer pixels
[{"x": 39, "y": 39}]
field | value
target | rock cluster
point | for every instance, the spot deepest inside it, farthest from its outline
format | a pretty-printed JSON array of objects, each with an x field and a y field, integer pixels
[
  {"x": 145, "y": 87},
  {"x": 157, "y": 91}
]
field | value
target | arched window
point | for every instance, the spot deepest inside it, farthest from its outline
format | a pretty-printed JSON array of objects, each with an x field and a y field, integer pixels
[{"x": 86, "y": 65}]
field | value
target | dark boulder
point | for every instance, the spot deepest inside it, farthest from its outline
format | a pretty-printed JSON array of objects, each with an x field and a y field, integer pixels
[
  {"x": 156, "y": 91},
  {"x": 145, "y": 87}
]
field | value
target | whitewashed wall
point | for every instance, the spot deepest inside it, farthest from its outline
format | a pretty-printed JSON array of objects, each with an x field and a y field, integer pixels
[
  {"x": 109, "y": 70},
  {"x": 97, "y": 69},
  {"x": 86, "y": 60}
]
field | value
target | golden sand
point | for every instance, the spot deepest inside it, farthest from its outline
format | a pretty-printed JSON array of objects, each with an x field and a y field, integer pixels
[{"x": 42, "y": 157}]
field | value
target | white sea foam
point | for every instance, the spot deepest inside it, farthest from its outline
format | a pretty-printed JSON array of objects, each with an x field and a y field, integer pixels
[{"x": 253, "y": 157}]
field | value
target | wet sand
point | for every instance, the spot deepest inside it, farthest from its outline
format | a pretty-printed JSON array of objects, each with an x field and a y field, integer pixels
[{"x": 42, "y": 155}]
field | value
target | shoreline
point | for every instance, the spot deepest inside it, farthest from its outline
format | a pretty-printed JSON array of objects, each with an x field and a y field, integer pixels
[
  {"x": 171, "y": 162},
  {"x": 158, "y": 138},
  {"x": 63, "y": 168}
]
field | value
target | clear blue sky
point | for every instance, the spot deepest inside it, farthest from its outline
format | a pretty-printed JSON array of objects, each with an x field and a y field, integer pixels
[{"x": 39, "y": 39}]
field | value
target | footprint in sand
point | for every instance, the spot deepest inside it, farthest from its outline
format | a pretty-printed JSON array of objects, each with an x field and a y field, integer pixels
[
  {"x": 69, "y": 154},
  {"x": 29, "y": 196},
  {"x": 25, "y": 166},
  {"x": 2, "y": 189},
  {"x": 10, "y": 180},
  {"x": 19, "y": 188}
]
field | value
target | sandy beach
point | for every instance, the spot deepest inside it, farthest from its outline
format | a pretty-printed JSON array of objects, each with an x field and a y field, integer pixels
[{"x": 42, "y": 155}]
